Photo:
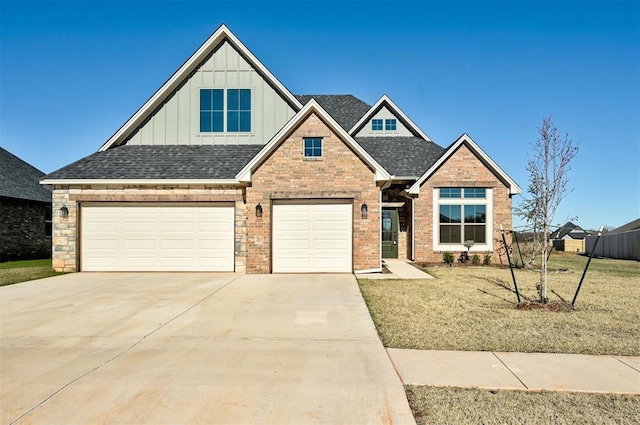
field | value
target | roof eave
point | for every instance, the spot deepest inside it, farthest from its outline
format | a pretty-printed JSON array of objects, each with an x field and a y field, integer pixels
[{"x": 54, "y": 181}]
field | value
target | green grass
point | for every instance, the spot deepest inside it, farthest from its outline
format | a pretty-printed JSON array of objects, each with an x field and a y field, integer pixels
[
  {"x": 438, "y": 405},
  {"x": 474, "y": 309},
  {"x": 21, "y": 271}
]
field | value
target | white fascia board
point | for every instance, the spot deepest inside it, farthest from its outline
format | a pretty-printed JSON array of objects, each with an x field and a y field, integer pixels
[
  {"x": 312, "y": 106},
  {"x": 221, "y": 34},
  {"x": 140, "y": 181},
  {"x": 514, "y": 189},
  {"x": 384, "y": 100}
]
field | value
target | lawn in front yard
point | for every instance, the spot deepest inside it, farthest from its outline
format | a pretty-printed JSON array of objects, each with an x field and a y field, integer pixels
[
  {"x": 474, "y": 309},
  {"x": 21, "y": 271},
  {"x": 437, "y": 405}
]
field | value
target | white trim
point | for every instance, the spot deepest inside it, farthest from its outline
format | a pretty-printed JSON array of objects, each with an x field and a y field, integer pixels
[
  {"x": 378, "y": 270},
  {"x": 384, "y": 100},
  {"x": 413, "y": 229},
  {"x": 219, "y": 36},
  {"x": 312, "y": 106},
  {"x": 142, "y": 181},
  {"x": 514, "y": 189},
  {"x": 488, "y": 202}
]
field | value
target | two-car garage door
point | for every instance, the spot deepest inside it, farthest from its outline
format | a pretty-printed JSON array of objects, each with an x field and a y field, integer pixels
[{"x": 157, "y": 237}]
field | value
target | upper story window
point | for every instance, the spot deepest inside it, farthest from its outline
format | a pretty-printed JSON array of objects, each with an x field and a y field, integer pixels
[
  {"x": 390, "y": 124},
  {"x": 312, "y": 147},
  {"x": 376, "y": 125},
  {"x": 214, "y": 118}
]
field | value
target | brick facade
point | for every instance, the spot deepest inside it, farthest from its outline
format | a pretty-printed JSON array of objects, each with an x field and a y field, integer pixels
[
  {"x": 338, "y": 174},
  {"x": 462, "y": 169},
  {"x": 66, "y": 254},
  {"x": 23, "y": 230}
]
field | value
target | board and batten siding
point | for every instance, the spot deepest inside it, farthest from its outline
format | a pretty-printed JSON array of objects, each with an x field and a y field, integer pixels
[
  {"x": 177, "y": 122},
  {"x": 384, "y": 113}
]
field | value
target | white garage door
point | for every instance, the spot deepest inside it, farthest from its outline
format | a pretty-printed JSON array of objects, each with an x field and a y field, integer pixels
[
  {"x": 157, "y": 237},
  {"x": 312, "y": 237}
]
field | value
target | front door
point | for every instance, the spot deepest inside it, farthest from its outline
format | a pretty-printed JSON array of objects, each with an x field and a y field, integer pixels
[{"x": 390, "y": 233}]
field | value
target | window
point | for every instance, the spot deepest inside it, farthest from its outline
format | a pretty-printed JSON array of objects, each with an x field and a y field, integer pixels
[
  {"x": 376, "y": 125},
  {"x": 312, "y": 147},
  {"x": 48, "y": 222},
  {"x": 212, "y": 110},
  {"x": 390, "y": 124},
  {"x": 466, "y": 220}
]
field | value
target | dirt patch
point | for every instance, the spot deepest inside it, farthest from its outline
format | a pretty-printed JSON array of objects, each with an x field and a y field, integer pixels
[{"x": 553, "y": 306}]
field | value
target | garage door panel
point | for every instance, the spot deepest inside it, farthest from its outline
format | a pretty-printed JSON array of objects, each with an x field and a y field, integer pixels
[
  {"x": 312, "y": 237},
  {"x": 157, "y": 237}
]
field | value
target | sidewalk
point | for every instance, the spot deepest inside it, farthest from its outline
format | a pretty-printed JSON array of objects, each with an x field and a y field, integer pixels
[
  {"x": 400, "y": 269},
  {"x": 518, "y": 371}
]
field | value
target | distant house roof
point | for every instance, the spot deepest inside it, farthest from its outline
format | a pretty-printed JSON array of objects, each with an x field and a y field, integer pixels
[
  {"x": 19, "y": 179},
  {"x": 402, "y": 156},
  {"x": 632, "y": 225},
  {"x": 208, "y": 162},
  {"x": 346, "y": 109},
  {"x": 571, "y": 230}
]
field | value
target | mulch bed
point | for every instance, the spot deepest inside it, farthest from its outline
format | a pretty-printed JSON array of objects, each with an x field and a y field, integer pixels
[{"x": 553, "y": 306}]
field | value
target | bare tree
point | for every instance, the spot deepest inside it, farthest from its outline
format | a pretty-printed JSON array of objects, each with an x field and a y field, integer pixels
[{"x": 548, "y": 177}]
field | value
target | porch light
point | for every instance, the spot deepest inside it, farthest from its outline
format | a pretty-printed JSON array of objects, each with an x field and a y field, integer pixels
[
  {"x": 64, "y": 212},
  {"x": 364, "y": 210},
  {"x": 259, "y": 210}
]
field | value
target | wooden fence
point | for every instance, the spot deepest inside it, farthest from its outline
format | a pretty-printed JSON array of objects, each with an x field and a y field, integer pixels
[{"x": 625, "y": 246}]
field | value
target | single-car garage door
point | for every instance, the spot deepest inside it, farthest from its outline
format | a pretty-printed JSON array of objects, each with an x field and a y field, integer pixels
[
  {"x": 157, "y": 237},
  {"x": 312, "y": 236}
]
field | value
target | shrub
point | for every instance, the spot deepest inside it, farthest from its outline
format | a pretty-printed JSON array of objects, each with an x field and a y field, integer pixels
[
  {"x": 475, "y": 260},
  {"x": 447, "y": 257},
  {"x": 487, "y": 258}
]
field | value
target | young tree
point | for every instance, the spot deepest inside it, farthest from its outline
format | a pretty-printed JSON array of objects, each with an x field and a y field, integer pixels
[{"x": 548, "y": 177}]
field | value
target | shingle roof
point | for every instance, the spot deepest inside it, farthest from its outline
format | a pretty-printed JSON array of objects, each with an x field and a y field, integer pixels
[
  {"x": 569, "y": 229},
  {"x": 402, "y": 156},
  {"x": 161, "y": 162},
  {"x": 20, "y": 180},
  {"x": 346, "y": 109}
]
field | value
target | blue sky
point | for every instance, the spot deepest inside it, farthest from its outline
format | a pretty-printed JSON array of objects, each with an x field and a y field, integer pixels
[{"x": 71, "y": 73}]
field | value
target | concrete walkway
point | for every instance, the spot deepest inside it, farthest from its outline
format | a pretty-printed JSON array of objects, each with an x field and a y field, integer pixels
[
  {"x": 400, "y": 269},
  {"x": 519, "y": 371}
]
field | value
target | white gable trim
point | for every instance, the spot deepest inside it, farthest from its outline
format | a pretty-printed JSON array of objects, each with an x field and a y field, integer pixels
[
  {"x": 219, "y": 36},
  {"x": 312, "y": 106},
  {"x": 384, "y": 100},
  {"x": 514, "y": 189}
]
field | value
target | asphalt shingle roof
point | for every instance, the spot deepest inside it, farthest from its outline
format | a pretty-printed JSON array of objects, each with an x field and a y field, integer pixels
[
  {"x": 346, "y": 109},
  {"x": 402, "y": 156},
  {"x": 161, "y": 162},
  {"x": 19, "y": 179}
]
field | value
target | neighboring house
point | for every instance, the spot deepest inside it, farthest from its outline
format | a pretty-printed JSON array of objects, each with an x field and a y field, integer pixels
[
  {"x": 25, "y": 211},
  {"x": 224, "y": 169},
  {"x": 569, "y": 237}
]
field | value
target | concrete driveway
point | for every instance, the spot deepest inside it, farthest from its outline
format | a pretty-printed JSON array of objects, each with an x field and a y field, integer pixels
[{"x": 169, "y": 348}]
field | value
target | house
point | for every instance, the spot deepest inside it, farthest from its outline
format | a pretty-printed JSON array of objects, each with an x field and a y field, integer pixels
[
  {"x": 25, "y": 211},
  {"x": 569, "y": 237},
  {"x": 224, "y": 169}
]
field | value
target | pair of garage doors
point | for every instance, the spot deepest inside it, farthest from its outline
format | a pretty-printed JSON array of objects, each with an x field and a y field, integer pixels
[{"x": 307, "y": 237}]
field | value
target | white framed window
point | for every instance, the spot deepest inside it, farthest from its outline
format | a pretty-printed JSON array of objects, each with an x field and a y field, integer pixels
[
  {"x": 312, "y": 147},
  {"x": 376, "y": 124},
  {"x": 390, "y": 124},
  {"x": 225, "y": 110},
  {"x": 462, "y": 214}
]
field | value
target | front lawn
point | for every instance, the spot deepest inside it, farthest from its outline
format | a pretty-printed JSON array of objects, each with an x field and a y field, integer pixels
[
  {"x": 21, "y": 271},
  {"x": 434, "y": 405},
  {"x": 474, "y": 309}
]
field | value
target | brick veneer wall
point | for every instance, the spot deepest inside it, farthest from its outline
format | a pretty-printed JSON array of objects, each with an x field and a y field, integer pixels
[
  {"x": 463, "y": 169},
  {"x": 66, "y": 231},
  {"x": 338, "y": 174},
  {"x": 22, "y": 230}
]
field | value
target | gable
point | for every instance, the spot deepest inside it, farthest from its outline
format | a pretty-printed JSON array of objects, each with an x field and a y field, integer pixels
[
  {"x": 392, "y": 110},
  {"x": 383, "y": 115},
  {"x": 172, "y": 114}
]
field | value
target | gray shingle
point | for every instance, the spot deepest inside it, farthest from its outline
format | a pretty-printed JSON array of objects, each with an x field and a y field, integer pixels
[
  {"x": 346, "y": 109},
  {"x": 402, "y": 156},
  {"x": 161, "y": 162},
  {"x": 20, "y": 180}
]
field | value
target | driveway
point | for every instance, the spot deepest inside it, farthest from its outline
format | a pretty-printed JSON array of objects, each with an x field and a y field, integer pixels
[{"x": 168, "y": 348}]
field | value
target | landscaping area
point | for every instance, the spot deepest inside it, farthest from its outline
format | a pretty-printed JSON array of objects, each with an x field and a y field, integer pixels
[
  {"x": 21, "y": 271},
  {"x": 474, "y": 308}
]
